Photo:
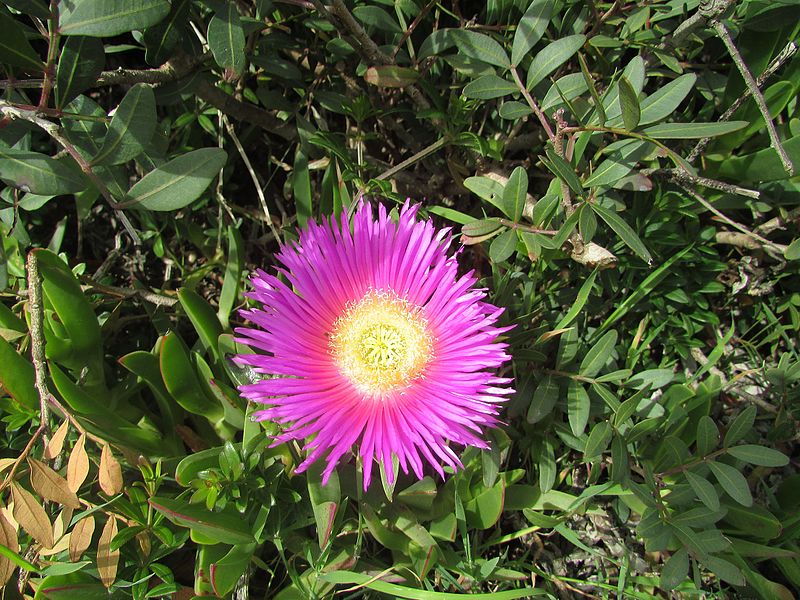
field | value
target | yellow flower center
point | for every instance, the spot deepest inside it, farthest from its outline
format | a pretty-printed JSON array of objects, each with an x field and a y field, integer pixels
[{"x": 381, "y": 342}]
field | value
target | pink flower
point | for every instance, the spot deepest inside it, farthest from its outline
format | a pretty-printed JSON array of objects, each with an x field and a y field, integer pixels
[{"x": 375, "y": 341}]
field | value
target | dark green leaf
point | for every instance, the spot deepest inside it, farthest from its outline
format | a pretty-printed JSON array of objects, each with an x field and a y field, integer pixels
[
  {"x": 598, "y": 355},
  {"x": 17, "y": 376},
  {"x": 578, "y": 405},
  {"x": 15, "y": 49},
  {"x": 629, "y": 104},
  {"x": 531, "y": 28},
  {"x": 487, "y": 87},
  {"x": 544, "y": 399},
  {"x": 553, "y": 56},
  {"x": 563, "y": 170},
  {"x": 733, "y": 482},
  {"x": 82, "y": 60},
  {"x": 39, "y": 174},
  {"x": 374, "y": 16},
  {"x": 704, "y": 489},
  {"x": 687, "y": 131},
  {"x": 759, "y": 455},
  {"x": 663, "y": 102},
  {"x": 740, "y": 426},
  {"x": 325, "y": 499},
  {"x": 624, "y": 231},
  {"x": 131, "y": 128},
  {"x": 598, "y": 440},
  {"x": 513, "y": 110},
  {"x": 707, "y": 435},
  {"x": 179, "y": 182},
  {"x": 675, "y": 570},
  {"x": 480, "y": 47},
  {"x": 503, "y": 246},
  {"x": 107, "y": 18},
  {"x": 226, "y": 38},
  {"x": 515, "y": 193}
]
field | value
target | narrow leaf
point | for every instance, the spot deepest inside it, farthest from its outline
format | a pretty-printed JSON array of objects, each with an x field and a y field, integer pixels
[
  {"x": 740, "y": 426},
  {"x": 515, "y": 193},
  {"x": 110, "y": 472},
  {"x": 179, "y": 182},
  {"x": 629, "y": 104},
  {"x": 487, "y": 87},
  {"x": 759, "y": 455},
  {"x": 598, "y": 355},
  {"x": 663, "y": 102},
  {"x": 39, "y": 174},
  {"x": 107, "y": 559},
  {"x": 78, "y": 465},
  {"x": 578, "y": 405},
  {"x": 81, "y": 62},
  {"x": 553, "y": 56},
  {"x": 624, "y": 231},
  {"x": 15, "y": 49},
  {"x": 480, "y": 47},
  {"x": 531, "y": 28},
  {"x": 81, "y": 537},
  {"x": 688, "y": 131},
  {"x": 704, "y": 489}
]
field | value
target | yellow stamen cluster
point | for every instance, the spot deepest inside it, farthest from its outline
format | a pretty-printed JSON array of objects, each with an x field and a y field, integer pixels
[{"x": 381, "y": 342}]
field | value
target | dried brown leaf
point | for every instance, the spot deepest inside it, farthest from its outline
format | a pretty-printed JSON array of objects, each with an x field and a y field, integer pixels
[
  {"x": 107, "y": 560},
  {"x": 78, "y": 465},
  {"x": 81, "y": 538},
  {"x": 56, "y": 443},
  {"x": 50, "y": 485},
  {"x": 31, "y": 516},
  {"x": 110, "y": 472},
  {"x": 8, "y": 537}
]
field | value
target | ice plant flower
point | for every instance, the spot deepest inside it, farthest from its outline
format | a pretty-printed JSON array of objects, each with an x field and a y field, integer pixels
[{"x": 375, "y": 341}]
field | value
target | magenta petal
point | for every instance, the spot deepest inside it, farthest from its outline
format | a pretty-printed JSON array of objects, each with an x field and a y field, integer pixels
[{"x": 449, "y": 397}]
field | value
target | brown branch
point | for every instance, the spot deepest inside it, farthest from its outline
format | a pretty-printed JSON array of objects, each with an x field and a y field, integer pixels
[
  {"x": 172, "y": 70},
  {"x": 775, "y": 140},
  {"x": 705, "y": 12},
  {"x": 784, "y": 55}
]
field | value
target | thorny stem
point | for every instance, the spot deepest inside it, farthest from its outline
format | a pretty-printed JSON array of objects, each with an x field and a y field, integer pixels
[
  {"x": 752, "y": 86},
  {"x": 532, "y": 103}
]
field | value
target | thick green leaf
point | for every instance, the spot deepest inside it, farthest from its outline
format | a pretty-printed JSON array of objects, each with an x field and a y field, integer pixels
[
  {"x": 548, "y": 468},
  {"x": 553, "y": 56},
  {"x": 204, "y": 319},
  {"x": 107, "y": 18},
  {"x": 161, "y": 38},
  {"x": 485, "y": 508},
  {"x": 17, "y": 376},
  {"x": 598, "y": 355},
  {"x": 131, "y": 128},
  {"x": 485, "y": 188},
  {"x": 733, "y": 482},
  {"x": 515, "y": 193},
  {"x": 544, "y": 399},
  {"x": 578, "y": 405},
  {"x": 480, "y": 47},
  {"x": 226, "y": 38},
  {"x": 301, "y": 187},
  {"x": 487, "y": 87},
  {"x": 688, "y": 131},
  {"x": 629, "y": 104},
  {"x": 227, "y": 527},
  {"x": 566, "y": 88},
  {"x": 232, "y": 281},
  {"x": 15, "y": 49},
  {"x": 707, "y": 435},
  {"x": 325, "y": 499},
  {"x": 792, "y": 251},
  {"x": 704, "y": 489},
  {"x": 724, "y": 569},
  {"x": 740, "y": 426},
  {"x": 624, "y": 231},
  {"x": 663, "y": 102},
  {"x": 181, "y": 379},
  {"x": 39, "y": 174},
  {"x": 763, "y": 165},
  {"x": 759, "y": 455},
  {"x": 81, "y": 62},
  {"x": 179, "y": 182},
  {"x": 225, "y": 573},
  {"x": 531, "y": 28}
]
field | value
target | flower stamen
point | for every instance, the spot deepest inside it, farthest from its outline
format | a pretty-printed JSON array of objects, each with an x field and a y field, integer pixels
[{"x": 381, "y": 343}]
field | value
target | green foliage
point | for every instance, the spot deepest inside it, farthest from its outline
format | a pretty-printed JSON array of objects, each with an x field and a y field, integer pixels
[{"x": 642, "y": 240}]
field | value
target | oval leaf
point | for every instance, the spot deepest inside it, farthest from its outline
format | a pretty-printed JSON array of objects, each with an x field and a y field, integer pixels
[
  {"x": 531, "y": 28},
  {"x": 31, "y": 516},
  {"x": 226, "y": 38},
  {"x": 480, "y": 47},
  {"x": 553, "y": 56},
  {"x": 39, "y": 174},
  {"x": 107, "y": 18},
  {"x": 50, "y": 485},
  {"x": 131, "y": 128}
]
